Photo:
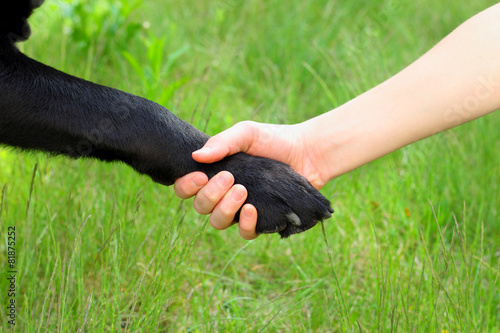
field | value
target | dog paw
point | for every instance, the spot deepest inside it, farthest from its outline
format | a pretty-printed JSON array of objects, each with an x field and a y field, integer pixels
[{"x": 286, "y": 202}]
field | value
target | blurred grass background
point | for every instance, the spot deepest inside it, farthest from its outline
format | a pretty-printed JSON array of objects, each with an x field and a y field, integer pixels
[{"x": 414, "y": 245}]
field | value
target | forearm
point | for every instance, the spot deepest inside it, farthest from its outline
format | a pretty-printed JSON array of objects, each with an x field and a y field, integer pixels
[{"x": 455, "y": 82}]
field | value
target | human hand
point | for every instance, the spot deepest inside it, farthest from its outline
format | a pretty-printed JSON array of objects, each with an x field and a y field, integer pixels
[{"x": 219, "y": 197}]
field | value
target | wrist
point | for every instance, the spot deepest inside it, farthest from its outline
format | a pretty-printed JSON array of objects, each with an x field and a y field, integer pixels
[
  {"x": 350, "y": 136},
  {"x": 326, "y": 141}
]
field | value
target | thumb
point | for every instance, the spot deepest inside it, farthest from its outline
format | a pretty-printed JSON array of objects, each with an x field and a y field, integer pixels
[{"x": 231, "y": 141}]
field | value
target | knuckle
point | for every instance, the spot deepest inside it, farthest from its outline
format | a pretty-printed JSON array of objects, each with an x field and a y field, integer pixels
[
  {"x": 206, "y": 200},
  {"x": 200, "y": 209},
  {"x": 202, "y": 206},
  {"x": 211, "y": 193},
  {"x": 226, "y": 214},
  {"x": 216, "y": 223},
  {"x": 222, "y": 216},
  {"x": 210, "y": 196},
  {"x": 181, "y": 191},
  {"x": 246, "y": 125}
]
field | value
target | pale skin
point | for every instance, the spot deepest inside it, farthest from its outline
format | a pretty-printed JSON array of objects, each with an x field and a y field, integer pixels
[{"x": 457, "y": 81}]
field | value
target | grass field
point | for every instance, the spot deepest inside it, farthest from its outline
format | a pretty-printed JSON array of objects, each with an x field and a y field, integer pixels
[{"x": 414, "y": 244}]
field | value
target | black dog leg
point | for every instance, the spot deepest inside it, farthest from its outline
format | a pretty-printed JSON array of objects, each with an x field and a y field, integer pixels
[{"x": 44, "y": 109}]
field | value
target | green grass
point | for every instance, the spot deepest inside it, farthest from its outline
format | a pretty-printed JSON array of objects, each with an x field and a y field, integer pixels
[{"x": 414, "y": 245}]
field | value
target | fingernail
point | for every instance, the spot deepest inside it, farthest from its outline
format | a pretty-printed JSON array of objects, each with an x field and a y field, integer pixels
[
  {"x": 224, "y": 180},
  {"x": 238, "y": 194},
  {"x": 203, "y": 151},
  {"x": 198, "y": 181},
  {"x": 248, "y": 212}
]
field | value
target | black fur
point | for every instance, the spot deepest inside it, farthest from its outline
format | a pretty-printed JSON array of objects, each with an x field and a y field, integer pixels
[{"x": 44, "y": 109}]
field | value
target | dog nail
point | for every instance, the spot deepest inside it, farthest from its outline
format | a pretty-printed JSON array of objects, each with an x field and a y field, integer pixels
[{"x": 294, "y": 219}]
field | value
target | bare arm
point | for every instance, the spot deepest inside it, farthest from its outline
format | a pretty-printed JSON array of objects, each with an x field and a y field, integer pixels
[{"x": 455, "y": 82}]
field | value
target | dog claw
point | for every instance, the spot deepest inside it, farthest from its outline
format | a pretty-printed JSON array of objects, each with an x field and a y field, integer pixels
[{"x": 294, "y": 219}]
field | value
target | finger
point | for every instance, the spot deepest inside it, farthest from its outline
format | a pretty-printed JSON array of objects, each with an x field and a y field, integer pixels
[
  {"x": 188, "y": 185},
  {"x": 210, "y": 195},
  {"x": 223, "y": 214},
  {"x": 248, "y": 222},
  {"x": 231, "y": 141}
]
